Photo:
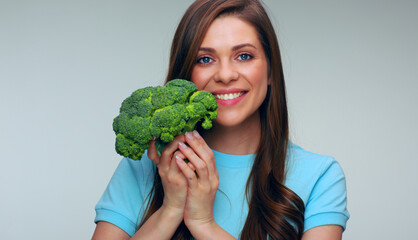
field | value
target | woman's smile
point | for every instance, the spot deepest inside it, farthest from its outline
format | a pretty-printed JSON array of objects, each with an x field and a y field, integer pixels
[{"x": 228, "y": 97}]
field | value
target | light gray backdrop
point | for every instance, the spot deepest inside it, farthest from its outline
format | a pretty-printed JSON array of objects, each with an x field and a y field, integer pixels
[{"x": 65, "y": 66}]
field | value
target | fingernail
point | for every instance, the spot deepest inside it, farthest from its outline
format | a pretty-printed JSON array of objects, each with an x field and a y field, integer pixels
[
  {"x": 179, "y": 159},
  {"x": 196, "y": 134},
  {"x": 189, "y": 135},
  {"x": 182, "y": 145}
]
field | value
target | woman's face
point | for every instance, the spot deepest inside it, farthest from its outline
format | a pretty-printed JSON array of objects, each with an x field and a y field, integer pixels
[{"x": 231, "y": 64}]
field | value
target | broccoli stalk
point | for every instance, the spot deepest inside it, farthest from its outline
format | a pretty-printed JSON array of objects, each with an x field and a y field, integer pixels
[{"x": 163, "y": 112}]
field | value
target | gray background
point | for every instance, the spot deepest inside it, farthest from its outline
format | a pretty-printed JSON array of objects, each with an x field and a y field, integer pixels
[{"x": 65, "y": 66}]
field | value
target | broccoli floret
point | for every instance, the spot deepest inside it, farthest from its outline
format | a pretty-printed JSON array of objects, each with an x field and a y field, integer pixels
[{"x": 163, "y": 112}]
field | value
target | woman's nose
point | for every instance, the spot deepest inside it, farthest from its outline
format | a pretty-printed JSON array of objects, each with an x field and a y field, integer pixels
[{"x": 226, "y": 72}]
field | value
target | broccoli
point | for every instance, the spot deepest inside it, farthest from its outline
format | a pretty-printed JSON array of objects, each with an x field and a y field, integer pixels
[{"x": 163, "y": 112}]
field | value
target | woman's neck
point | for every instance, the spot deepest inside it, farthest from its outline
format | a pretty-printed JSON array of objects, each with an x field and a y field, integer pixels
[{"x": 238, "y": 140}]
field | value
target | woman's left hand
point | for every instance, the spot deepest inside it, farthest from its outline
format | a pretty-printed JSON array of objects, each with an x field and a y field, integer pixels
[{"x": 201, "y": 192}]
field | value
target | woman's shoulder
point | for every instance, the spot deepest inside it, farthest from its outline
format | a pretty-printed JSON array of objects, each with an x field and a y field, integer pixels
[
  {"x": 303, "y": 160},
  {"x": 128, "y": 188},
  {"x": 306, "y": 169},
  {"x": 320, "y": 182},
  {"x": 140, "y": 171},
  {"x": 131, "y": 176},
  {"x": 144, "y": 164}
]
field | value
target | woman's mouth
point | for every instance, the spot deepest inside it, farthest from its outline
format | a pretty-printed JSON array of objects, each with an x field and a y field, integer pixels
[{"x": 229, "y": 97}]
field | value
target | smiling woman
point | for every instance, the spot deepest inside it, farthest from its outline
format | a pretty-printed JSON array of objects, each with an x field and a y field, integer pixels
[{"x": 252, "y": 182}]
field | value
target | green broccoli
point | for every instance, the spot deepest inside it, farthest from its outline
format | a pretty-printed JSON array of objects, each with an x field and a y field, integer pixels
[{"x": 163, "y": 112}]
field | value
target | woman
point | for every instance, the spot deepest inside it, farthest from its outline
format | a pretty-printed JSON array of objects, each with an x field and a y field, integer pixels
[{"x": 251, "y": 182}]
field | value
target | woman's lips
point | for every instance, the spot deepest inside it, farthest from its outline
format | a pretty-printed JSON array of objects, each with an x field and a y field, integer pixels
[{"x": 229, "y": 97}]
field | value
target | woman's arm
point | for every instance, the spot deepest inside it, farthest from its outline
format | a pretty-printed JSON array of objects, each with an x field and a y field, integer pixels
[
  {"x": 161, "y": 225},
  {"x": 108, "y": 231},
  {"x": 325, "y": 232},
  {"x": 211, "y": 231},
  {"x": 164, "y": 222}
]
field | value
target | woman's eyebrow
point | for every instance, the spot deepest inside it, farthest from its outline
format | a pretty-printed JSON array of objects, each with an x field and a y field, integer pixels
[
  {"x": 206, "y": 49},
  {"x": 243, "y": 45},
  {"x": 234, "y": 48}
]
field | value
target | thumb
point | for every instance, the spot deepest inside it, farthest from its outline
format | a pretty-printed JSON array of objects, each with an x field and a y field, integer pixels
[{"x": 152, "y": 152}]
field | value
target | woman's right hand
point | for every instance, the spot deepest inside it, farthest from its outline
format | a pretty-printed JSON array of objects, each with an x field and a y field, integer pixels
[{"x": 173, "y": 180}]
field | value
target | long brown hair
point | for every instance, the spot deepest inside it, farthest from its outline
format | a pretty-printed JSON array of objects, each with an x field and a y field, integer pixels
[{"x": 275, "y": 211}]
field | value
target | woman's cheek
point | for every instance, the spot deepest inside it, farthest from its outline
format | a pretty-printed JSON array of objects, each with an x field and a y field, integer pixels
[{"x": 200, "y": 76}]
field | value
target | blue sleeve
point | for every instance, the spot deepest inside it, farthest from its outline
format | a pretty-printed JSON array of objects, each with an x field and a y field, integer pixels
[
  {"x": 327, "y": 203},
  {"x": 122, "y": 203}
]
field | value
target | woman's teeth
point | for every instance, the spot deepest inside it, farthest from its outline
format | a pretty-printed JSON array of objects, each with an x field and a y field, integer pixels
[{"x": 228, "y": 96}]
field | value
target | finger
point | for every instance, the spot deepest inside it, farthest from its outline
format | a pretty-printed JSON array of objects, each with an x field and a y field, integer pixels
[
  {"x": 173, "y": 145},
  {"x": 167, "y": 153},
  {"x": 152, "y": 152},
  {"x": 200, "y": 147},
  {"x": 180, "y": 155},
  {"x": 173, "y": 164},
  {"x": 185, "y": 160},
  {"x": 199, "y": 164},
  {"x": 187, "y": 172},
  {"x": 191, "y": 166}
]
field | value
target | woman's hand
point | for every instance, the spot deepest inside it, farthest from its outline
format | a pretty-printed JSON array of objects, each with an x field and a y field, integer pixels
[
  {"x": 189, "y": 190},
  {"x": 173, "y": 180},
  {"x": 198, "y": 213}
]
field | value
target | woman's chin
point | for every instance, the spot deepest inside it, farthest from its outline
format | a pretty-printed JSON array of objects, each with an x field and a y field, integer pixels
[
  {"x": 228, "y": 122},
  {"x": 236, "y": 119}
]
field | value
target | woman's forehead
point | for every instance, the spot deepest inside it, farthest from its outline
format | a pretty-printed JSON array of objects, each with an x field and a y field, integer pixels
[{"x": 230, "y": 30}]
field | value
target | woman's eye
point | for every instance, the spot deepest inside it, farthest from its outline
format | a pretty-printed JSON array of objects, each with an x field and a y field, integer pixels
[
  {"x": 244, "y": 57},
  {"x": 204, "y": 60}
]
